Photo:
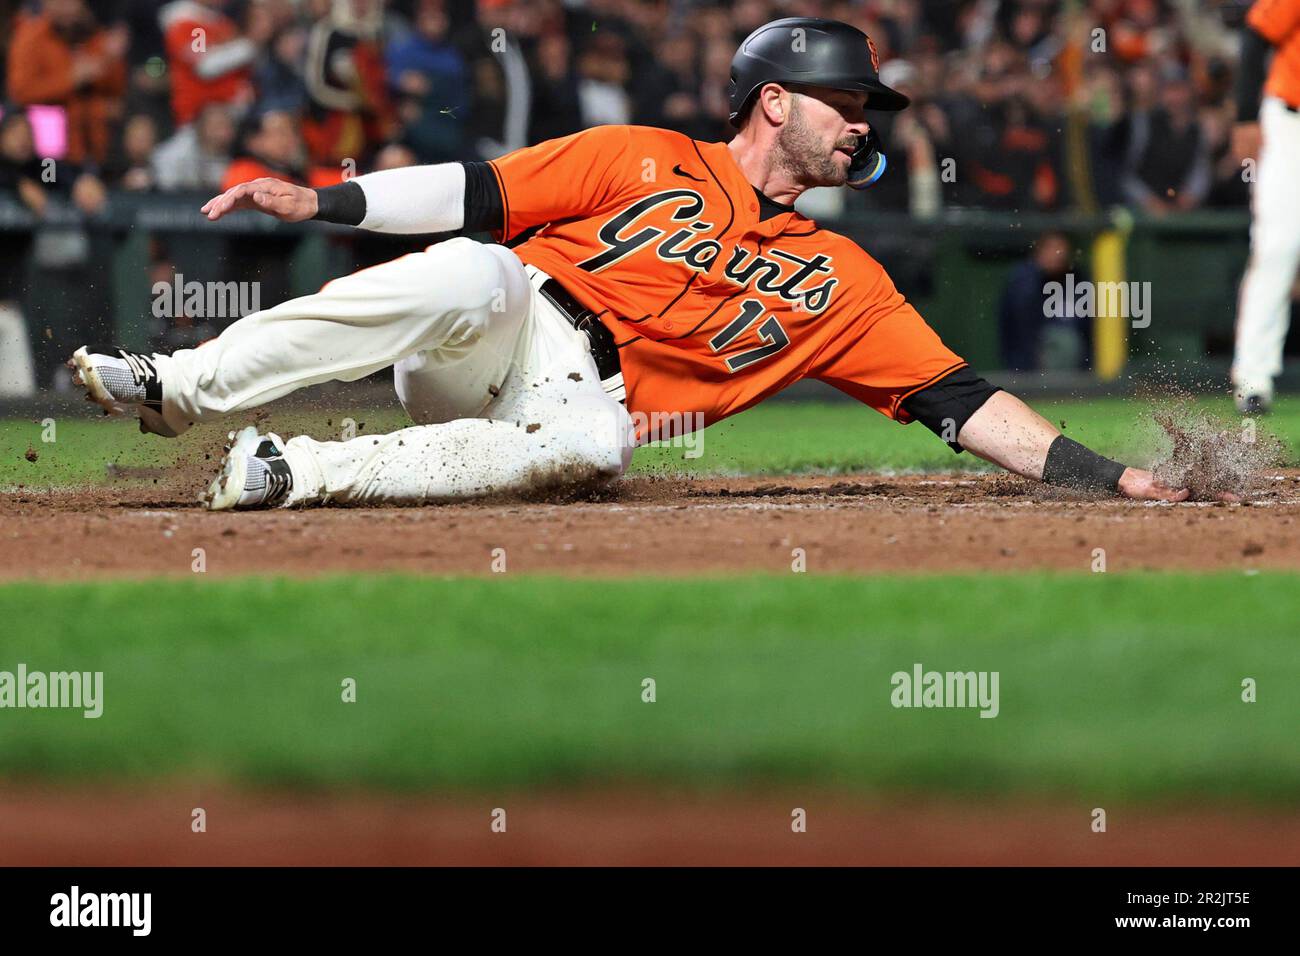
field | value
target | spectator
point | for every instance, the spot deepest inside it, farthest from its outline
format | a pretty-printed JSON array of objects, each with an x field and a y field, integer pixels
[
  {"x": 33, "y": 180},
  {"x": 62, "y": 57},
  {"x": 1028, "y": 26},
  {"x": 667, "y": 94},
  {"x": 1030, "y": 338},
  {"x": 277, "y": 76},
  {"x": 1168, "y": 162},
  {"x": 1150, "y": 97},
  {"x": 149, "y": 83},
  {"x": 429, "y": 77},
  {"x": 474, "y": 78},
  {"x": 602, "y": 81},
  {"x": 8, "y": 17},
  {"x": 1230, "y": 186},
  {"x": 1006, "y": 157},
  {"x": 131, "y": 167},
  {"x": 556, "y": 108},
  {"x": 347, "y": 97},
  {"x": 208, "y": 58},
  {"x": 21, "y": 180},
  {"x": 197, "y": 156},
  {"x": 1103, "y": 99},
  {"x": 712, "y": 24},
  {"x": 184, "y": 330},
  {"x": 395, "y": 156},
  {"x": 748, "y": 15},
  {"x": 1134, "y": 28},
  {"x": 22, "y": 174},
  {"x": 912, "y": 183},
  {"x": 270, "y": 145},
  {"x": 715, "y": 104},
  {"x": 503, "y": 89}
]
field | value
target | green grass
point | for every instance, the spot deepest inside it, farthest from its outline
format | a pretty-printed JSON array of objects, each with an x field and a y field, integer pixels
[
  {"x": 776, "y": 438},
  {"x": 1110, "y": 687}
]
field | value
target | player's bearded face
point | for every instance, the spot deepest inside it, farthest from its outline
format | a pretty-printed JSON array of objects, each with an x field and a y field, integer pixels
[{"x": 813, "y": 145}]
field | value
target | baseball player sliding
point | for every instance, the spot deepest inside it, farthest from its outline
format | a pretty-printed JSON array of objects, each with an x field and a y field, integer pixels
[
  {"x": 1271, "y": 132},
  {"x": 645, "y": 277}
]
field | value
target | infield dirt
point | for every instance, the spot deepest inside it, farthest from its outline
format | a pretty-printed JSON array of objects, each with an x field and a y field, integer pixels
[{"x": 870, "y": 523}]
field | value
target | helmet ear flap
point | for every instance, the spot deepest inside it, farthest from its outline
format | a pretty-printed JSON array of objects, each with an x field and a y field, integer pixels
[{"x": 868, "y": 163}]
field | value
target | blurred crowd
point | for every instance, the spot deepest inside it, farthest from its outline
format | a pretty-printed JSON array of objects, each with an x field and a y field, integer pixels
[{"x": 1019, "y": 104}]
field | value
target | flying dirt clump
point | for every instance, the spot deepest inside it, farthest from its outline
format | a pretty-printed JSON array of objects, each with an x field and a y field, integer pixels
[{"x": 1210, "y": 456}]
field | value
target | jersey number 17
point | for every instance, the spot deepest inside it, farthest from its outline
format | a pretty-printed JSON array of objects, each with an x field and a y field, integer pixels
[{"x": 770, "y": 333}]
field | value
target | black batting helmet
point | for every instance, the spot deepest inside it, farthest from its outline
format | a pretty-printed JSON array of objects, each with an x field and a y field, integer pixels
[{"x": 812, "y": 51}]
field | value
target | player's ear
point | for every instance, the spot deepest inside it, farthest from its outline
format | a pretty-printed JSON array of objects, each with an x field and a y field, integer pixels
[
  {"x": 772, "y": 100},
  {"x": 785, "y": 104}
]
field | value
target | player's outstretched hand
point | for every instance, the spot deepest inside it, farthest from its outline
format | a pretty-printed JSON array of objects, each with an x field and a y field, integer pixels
[
  {"x": 1136, "y": 483},
  {"x": 284, "y": 201}
]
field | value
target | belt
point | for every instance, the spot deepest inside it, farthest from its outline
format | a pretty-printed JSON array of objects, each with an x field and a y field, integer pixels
[{"x": 599, "y": 339}]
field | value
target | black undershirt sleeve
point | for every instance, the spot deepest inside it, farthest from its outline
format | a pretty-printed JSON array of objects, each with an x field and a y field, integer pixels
[
  {"x": 945, "y": 406},
  {"x": 1250, "y": 75},
  {"x": 484, "y": 210}
]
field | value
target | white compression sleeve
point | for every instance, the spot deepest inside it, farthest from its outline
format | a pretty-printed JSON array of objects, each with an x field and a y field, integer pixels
[{"x": 415, "y": 199}]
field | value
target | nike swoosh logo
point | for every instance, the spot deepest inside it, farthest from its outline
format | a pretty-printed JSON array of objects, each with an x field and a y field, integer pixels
[{"x": 678, "y": 171}]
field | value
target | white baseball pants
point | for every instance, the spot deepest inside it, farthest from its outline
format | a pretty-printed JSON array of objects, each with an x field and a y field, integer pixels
[
  {"x": 503, "y": 388},
  {"x": 1265, "y": 305}
]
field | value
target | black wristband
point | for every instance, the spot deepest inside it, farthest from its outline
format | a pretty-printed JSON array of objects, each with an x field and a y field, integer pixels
[
  {"x": 344, "y": 203},
  {"x": 1074, "y": 466}
]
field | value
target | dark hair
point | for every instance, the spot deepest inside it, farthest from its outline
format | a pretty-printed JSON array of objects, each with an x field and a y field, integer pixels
[
  {"x": 12, "y": 114},
  {"x": 251, "y": 124},
  {"x": 248, "y": 127}
]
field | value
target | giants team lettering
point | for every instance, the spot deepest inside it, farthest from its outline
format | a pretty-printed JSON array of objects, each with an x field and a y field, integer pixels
[{"x": 768, "y": 273}]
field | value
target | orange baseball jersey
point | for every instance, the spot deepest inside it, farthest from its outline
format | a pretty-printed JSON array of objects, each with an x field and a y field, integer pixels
[
  {"x": 1278, "y": 22},
  {"x": 713, "y": 309}
]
